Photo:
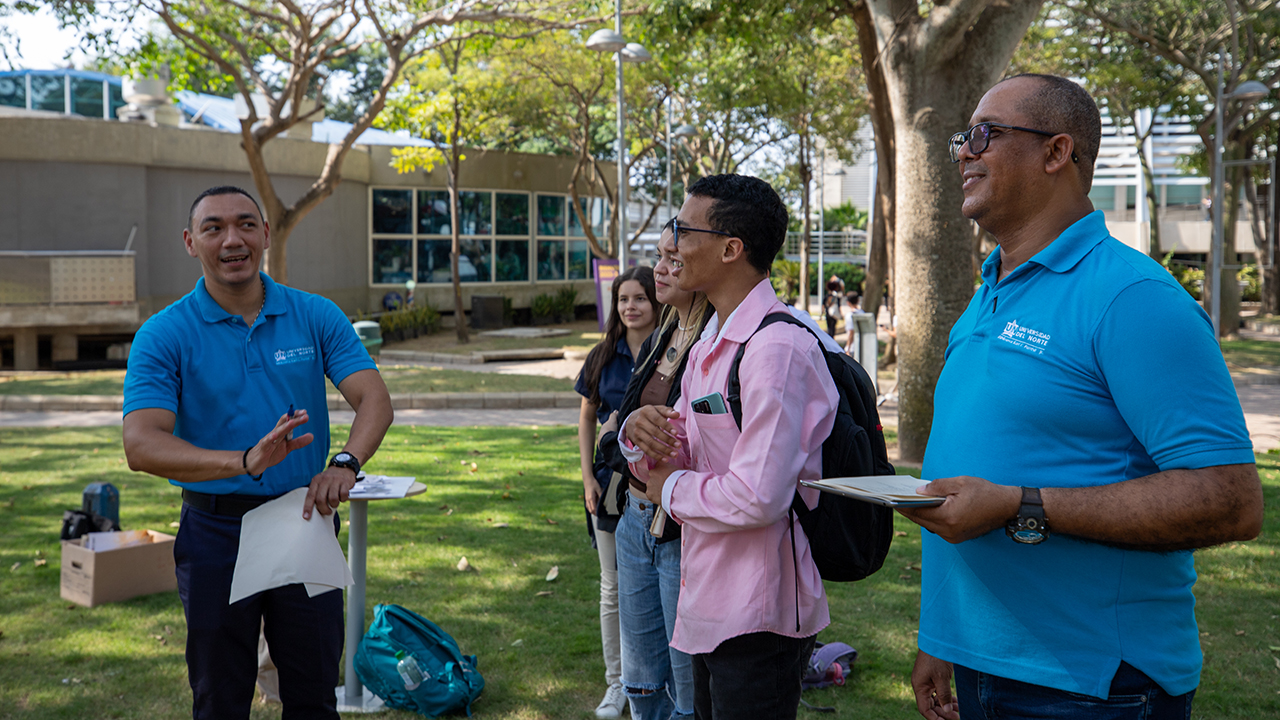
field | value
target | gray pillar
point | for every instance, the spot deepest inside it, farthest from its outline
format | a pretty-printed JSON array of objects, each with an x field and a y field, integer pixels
[
  {"x": 66, "y": 347},
  {"x": 24, "y": 349}
]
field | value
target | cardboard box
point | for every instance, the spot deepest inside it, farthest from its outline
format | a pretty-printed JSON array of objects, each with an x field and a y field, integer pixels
[{"x": 92, "y": 578}]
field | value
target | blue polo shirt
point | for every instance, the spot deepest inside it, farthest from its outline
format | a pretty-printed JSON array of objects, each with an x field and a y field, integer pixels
[
  {"x": 228, "y": 384},
  {"x": 614, "y": 378},
  {"x": 1085, "y": 366}
]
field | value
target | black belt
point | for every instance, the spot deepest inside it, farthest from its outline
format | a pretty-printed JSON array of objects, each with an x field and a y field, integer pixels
[{"x": 227, "y": 505}]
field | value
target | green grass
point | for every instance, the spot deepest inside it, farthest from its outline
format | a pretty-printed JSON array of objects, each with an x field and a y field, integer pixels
[
  {"x": 527, "y": 479},
  {"x": 583, "y": 335},
  {"x": 1251, "y": 353},
  {"x": 399, "y": 379}
]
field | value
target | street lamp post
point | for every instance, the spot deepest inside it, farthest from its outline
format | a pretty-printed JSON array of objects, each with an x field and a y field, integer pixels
[
  {"x": 682, "y": 131},
  {"x": 1247, "y": 93},
  {"x": 614, "y": 42}
]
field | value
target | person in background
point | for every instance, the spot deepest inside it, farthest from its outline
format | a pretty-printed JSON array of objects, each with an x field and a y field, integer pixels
[
  {"x": 831, "y": 302},
  {"x": 657, "y": 678},
  {"x": 852, "y": 306},
  {"x": 602, "y": 383}
]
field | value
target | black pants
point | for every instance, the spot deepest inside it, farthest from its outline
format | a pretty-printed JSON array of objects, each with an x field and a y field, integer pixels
[
  {"x": 831, "y": 325},
  {"x": 305, "y": 634},
  {"x": 751, "y": 676}
]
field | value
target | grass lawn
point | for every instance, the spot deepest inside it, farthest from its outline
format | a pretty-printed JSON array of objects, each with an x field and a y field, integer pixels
[
  {"x": 583, "y": 335},
  {"x": 125, "y": 660},
  {"x": 1251, "y": 353},
  {"x": 399, "y": 379}
]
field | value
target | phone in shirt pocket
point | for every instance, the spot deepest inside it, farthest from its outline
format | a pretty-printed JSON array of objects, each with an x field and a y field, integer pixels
[{"x": 712, "y": 404}]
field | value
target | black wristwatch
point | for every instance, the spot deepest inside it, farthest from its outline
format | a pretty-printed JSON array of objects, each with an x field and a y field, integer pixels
[
  {"x": 1029, "y": 527},
  {"x": 346, "y": 460}
]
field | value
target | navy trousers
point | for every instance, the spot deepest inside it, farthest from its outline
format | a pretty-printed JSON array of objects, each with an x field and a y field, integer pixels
[
  {"x": 1133, "y": 696},
  {"x": 305, "y": 634}
]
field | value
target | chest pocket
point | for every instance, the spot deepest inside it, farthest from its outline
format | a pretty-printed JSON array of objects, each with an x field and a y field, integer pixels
[{"x": 715, "y": 438}]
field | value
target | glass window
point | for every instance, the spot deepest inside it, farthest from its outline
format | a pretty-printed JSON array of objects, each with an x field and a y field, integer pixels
[
  {"x": 513, "y": 214},
  {"x": 86, "y": 97},
  {"x": 475, "y": 210},
  {"x": 513, "y": 260},
  {"x": 599, "y": 211},
  {"x": 392, "y": 261},
  {"x": 550, "y": 259},
  {"x": 575, "y": 227},
  {"x": 550, "y": 215},
  {"x": 116, "y": 94},
  {"x": 13, "y": 91},
  {"x": 593, "y": 209},
  {"x": 391, "y": 210},
  {"x": 433, "y": 261},
  {"x": 433, "y": 212},
  {"x": 473, "y": 264},
  {"x": 47, "y": 93},
  {"x": 579, "y": 260}
]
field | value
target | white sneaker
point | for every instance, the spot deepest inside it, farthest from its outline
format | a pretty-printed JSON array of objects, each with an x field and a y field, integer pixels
[{"x": 613, "y": 702}]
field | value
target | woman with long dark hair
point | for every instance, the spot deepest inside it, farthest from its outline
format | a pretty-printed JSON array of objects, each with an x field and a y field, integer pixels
[
  {"x": 602, "y": 385},
  {"x": 657, "y": 678}
]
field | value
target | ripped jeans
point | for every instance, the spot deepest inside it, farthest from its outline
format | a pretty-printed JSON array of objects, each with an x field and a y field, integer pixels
[{"x": 657, "y": 678}]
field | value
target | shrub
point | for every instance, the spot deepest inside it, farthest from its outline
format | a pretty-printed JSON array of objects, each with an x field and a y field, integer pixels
[
  {"x": 543, "y": 305},
  {"x": 566, "y": 299}
]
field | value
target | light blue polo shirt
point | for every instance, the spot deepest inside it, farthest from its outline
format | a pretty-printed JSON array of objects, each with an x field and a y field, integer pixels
[
  {"x": 1087, "y": 365},
  {"x": 228, "y": 383}
]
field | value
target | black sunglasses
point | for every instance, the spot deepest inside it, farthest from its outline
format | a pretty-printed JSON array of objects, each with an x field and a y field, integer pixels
[
  {"x": 677, "y": 228},
  {"x": 979, "y": 139}
]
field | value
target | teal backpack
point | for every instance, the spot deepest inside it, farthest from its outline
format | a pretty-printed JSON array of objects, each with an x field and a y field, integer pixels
[{"x": 450, "y": 679}]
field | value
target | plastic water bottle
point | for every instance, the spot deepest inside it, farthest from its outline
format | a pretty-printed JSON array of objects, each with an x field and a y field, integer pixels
[{"x": 409, "y": 670}]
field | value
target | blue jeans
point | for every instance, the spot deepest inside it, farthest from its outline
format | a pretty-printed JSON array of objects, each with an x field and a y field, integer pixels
[
  {"x": 1134, "y": 696},
  {"x": 657, "y": 678}
]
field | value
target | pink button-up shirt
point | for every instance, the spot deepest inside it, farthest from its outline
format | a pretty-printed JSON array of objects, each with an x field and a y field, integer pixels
[{"x": 733, "y": 500}]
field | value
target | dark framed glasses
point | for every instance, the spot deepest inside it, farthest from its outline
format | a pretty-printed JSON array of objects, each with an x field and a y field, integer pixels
[
  {"x": 677, "y": 228},
  {"x": 979, "y": 138}
]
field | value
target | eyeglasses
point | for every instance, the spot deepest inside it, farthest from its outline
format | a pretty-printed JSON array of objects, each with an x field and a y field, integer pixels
[
  {"x": 677, "y": 228},
  {"x": 979, "y": 138}
]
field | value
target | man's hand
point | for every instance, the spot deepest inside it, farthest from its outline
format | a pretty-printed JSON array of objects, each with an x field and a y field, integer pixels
[
  {"x": 328, "y": 490},
  {"x": 658, "y": 475},
  {"x": 931, "y": 681},
  {"x": 973, "y": 507},
  {"x": 275, "y": 445},
  {"x": 650, "y": 430}
]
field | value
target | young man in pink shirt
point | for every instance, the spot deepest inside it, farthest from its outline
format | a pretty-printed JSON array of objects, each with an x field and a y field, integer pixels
[{"x": 751, "y": 603}]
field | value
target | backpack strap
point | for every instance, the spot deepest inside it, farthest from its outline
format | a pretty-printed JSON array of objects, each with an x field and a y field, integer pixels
[{"x": 798, "y": 507}]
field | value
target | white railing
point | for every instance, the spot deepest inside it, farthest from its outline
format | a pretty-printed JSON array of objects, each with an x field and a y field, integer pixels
[{"x": 836, "y": 245}]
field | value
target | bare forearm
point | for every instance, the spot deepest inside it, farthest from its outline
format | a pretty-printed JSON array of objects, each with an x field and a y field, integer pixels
[
  {"x": 1171, "y": 510},
  {"x": 586, "y": 438},
  {"x": 163, "y": 454},
  {"x": 373, "y": 417}
]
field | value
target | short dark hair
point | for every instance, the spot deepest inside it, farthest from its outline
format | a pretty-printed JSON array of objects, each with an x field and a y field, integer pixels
[
  {"x": 1065, "y": 107},
  {"x": 749, "y": 209},
  {"x": 221, "y": 190}
]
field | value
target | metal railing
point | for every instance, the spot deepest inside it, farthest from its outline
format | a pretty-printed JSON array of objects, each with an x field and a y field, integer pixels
[
  {"x": 67, "y": 277},
  {"x": 837, "y": 245}
]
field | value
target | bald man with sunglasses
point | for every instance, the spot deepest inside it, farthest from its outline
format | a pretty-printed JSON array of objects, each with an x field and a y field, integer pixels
[{"x": 1086, "y": 438}]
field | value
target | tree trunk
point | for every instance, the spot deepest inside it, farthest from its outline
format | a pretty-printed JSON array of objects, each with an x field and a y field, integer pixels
[
  {"x": 455, "y": 253},
  {"x": 805, "y": 174},
  {"x": 937, "y": 67},
  {"x": 880, "y": 234}
]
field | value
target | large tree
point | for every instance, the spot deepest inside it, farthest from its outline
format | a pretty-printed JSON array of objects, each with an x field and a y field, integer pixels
[
  {"x": 282, "y": 52},
  {"x": 927, "y": 66}
]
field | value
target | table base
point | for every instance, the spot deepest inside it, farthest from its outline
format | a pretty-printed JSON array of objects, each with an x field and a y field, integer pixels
[{"x": 365, "y": 702}]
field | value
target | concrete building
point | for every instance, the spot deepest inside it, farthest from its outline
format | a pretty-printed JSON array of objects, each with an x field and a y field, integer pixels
[{"x": 92, "y": 213}]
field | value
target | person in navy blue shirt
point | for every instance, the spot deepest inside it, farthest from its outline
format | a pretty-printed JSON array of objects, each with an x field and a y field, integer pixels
[
  {"x": 1086, "y": 438},
  {"x": 217, "y": 384},
  {"x": 602, "y": 383}
]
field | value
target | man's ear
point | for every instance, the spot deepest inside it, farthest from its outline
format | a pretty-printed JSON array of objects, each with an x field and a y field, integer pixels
[
  {"x": 1060, "y": 154},
  {"x": 188, "y": 241},
  {"x": 733, "y": 249},
  {"x": 266, "y": 235}
]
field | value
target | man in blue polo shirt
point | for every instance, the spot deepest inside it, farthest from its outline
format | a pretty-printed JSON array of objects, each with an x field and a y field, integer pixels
[
  {"x": 217, "y": 384},
  {"x": 1086, "y": 437}
]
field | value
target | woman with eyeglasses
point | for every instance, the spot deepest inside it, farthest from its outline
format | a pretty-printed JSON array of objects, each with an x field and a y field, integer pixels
[
  {"x": 602, "y": 383},
  {"x": 657, "y": 678}
]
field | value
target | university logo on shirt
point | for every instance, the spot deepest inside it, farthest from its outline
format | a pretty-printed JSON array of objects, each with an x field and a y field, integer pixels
[
  {"x": 296, "y": 355},
  {"x": 1024, "y": 337}
]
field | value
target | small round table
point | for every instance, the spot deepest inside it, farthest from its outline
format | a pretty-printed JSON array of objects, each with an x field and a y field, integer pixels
[{"x": 351, "y": 694}]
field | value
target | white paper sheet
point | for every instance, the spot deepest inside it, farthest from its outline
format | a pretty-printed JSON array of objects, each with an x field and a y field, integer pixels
[
  {"x": 278, "y": 547},
  {"x": 891, "y": 490},
  {"x": 377, "y": 487}
]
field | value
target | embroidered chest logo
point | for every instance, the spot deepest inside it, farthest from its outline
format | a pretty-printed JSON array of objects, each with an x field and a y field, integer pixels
[
  {"x": 1032, "y": 341},
  {"x": 296, "y": 355}
]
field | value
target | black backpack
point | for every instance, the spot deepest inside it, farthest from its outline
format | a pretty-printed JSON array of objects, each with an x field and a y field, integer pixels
[{"x": 848, "y": 538}]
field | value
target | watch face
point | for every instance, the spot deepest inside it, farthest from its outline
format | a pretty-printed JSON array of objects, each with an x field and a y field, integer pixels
[
  {"x": 1028, "y": 537},
  {"x": 343, "y": 457}
]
